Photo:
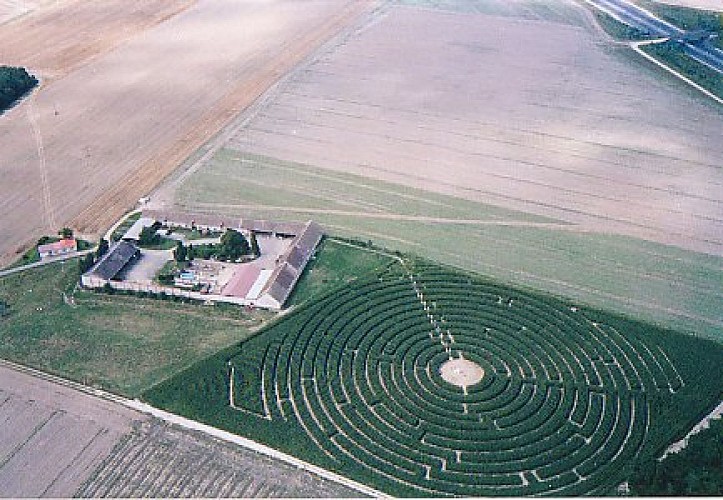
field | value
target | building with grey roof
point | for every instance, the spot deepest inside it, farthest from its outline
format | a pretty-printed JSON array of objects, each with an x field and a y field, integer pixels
[
  {"x": 110, "y": 265},
  {"x": 269, "y": 286},
  {"x": 291, "y": 266}
]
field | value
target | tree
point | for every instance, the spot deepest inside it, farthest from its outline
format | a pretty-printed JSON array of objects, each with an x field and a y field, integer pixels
[
  {"x": 191, "y": 253},
  {"x": 86, "y": 263},
  {"x": 180, "y": 252},
  {"x": 147, "y": 236},
  {"x": 102, "y": 248},
  {"x": 66, "y": 233},
  {"x": 233, "y": 245},
  {"x": 14, "y": 83},
  {"x": 255, "y": 250}
]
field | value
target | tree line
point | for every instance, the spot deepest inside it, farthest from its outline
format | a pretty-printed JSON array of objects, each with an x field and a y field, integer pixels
[{"x": 14, "y": 84}]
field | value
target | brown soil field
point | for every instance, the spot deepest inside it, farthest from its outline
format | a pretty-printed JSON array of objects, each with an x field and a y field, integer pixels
[
  {"x": 59, "y": 442},
  {"x": 89, "y": 143},
  {"x": 533, "y": 115},
  {"x": 162, "y": 461},
  {"x": 53, "y": 437},
  {"x": 60, "y": 36}
]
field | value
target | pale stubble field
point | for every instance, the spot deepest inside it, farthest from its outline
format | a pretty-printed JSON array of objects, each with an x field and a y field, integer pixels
[
  {"x": 541, "y": 117},
  {"x": 102, "y": 131}
]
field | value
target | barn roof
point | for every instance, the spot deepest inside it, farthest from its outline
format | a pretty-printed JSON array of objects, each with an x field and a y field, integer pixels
[
  {"x": 258, "y": 225},
  {"x": 294, "y": 261},
  {"x": 114, "y": 260}
]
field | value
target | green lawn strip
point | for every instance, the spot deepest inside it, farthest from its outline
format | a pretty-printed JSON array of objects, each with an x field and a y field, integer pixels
[
  {"x": 616, "y": 29},
  {"x": 239, "y": 178},
  {"x": 161, "y": 243},
  {"x": 672, "y": 54},
  {"x": 201, "y": 391},
  {"x": 124, "y": 344},
  {"x": 686, "y": 18},
  {"x": 640, "y": 278},
  {"x": 336, "y": 263}
]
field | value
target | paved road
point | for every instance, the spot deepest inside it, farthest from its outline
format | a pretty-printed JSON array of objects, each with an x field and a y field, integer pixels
[
  {"x": 44, "y": 262},
  {"x": 639, "y": 18}
]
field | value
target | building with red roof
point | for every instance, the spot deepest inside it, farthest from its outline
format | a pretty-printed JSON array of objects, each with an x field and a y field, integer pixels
[{"x": 61, "y": 247}]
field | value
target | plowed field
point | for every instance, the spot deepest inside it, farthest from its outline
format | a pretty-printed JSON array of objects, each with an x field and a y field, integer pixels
[{"x": 115, "y": 117}]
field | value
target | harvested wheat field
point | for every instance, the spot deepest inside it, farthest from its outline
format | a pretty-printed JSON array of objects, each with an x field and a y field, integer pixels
[
  {"x": 60, "y": 442},
  {"x": 530, "y": 115},
  {"x": 86, "y": 145},
  {"x": 53, "y": 437},
  {"x": 62, "y": 35},
  {"x": 517, "y": 142}
]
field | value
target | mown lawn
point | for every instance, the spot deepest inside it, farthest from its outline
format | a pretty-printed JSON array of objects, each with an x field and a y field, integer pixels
[
  {"x": 123, "y": 344},
  {"x": 126, "y": 344},
  {"x": 337, "y": 262}
]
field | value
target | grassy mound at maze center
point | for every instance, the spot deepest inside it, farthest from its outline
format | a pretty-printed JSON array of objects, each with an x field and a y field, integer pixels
[{"x": 571, "y": 399}]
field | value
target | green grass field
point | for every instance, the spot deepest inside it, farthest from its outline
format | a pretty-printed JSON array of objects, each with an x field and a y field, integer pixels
[
  {"x": 338, "y": 263},
  {"x": 571, "y": 400},
  {"x": 125, "y": 343},
  {"x": 657, "y": 283}
]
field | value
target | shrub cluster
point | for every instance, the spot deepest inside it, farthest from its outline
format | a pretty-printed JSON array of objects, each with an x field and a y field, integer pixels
[{"x": 14, "y": 84}]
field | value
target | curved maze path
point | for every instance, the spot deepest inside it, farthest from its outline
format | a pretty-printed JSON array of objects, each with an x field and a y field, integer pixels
[{"x": 561, "y": 403}]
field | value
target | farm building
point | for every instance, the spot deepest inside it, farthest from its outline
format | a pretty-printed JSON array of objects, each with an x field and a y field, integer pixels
[
  {"x": 220, "y": 223},
  {"x": 265, "y": 281},
  {"x": 269, "y": 286},
  {"x": 111, "y": 264},
  {"x": 61, "y": 247},
  {"x": 283, "y": 279}
]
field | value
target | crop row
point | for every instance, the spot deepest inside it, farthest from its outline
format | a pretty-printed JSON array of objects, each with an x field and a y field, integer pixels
[{"x": 562, "y": 398}]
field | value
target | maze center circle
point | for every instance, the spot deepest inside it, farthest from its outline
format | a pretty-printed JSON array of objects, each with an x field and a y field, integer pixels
[{"x": 461, "y": 372}]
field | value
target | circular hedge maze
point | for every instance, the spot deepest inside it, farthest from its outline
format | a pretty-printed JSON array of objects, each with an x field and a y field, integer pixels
[{"x": 443, "y": 384}]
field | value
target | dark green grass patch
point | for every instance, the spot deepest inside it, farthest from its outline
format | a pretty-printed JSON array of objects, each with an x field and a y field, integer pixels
[
  {"x": 571, "y": 401},
  {"x": 124, "y": 344},
  {"x": 337, "y": 262},
  {"x": 672, "y": 53}
]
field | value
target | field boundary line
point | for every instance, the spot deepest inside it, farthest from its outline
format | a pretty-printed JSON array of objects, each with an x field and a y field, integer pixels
[
  {"x": 186, "y": 423},
  {"x": 400, "y": 217}
]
